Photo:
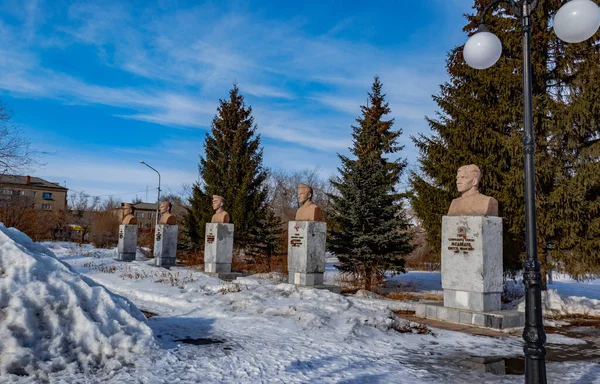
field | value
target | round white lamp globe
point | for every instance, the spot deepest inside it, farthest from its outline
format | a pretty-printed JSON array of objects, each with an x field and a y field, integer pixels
[
  {"x": 577, "y": 21},
  {"x": 482, "y": 50}
]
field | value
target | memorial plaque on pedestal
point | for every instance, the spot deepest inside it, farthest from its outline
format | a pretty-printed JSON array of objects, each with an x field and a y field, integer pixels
[
  {"x": 306, "y": 252},
  {"x": 218, "y": 247},
  {"x": 472, "y": 262},
  {"x": 127, "y": 245},
  {"x": 165, "y": 245}
]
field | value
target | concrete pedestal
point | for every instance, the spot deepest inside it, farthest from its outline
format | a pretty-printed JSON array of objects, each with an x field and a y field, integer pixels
[
  {"x": 472, "y": 275},
  {"x": 306, "y": 252},
  {"x": 496, "y": 320},
  {"x": 218, "y": 249},
  {"x": 472, "y": 262},
  {"x": 127, "y": 242},
  {"x": 165, "y": 245}
]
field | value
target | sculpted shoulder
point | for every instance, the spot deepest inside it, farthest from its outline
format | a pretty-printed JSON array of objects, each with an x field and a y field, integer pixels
[
  {"x": 309, "y": 213},
  {"x": 476, "y": 205},
  {"x": 471, "y": 203},
  {"x": 168, "y": 219},
  {"x": 129, "y": 220},
  {"x": 221, "y": 217}
]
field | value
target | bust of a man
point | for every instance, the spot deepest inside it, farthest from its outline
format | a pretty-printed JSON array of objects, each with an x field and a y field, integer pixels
[
  {"x": 220, "y": 215},
  {"x": 471, "y": 203},
  {"x": 166, "y": 217},
  {"x": 308, "y": 210},
  {"x": 128, "y": 218}
]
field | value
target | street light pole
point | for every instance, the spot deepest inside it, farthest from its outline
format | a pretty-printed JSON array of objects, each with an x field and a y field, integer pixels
[
  {"x": 575, "y": 22},
  {"x": 158, "y": 201}
]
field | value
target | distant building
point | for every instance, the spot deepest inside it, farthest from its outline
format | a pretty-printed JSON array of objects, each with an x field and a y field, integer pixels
[{"x": 41, "y": 194}]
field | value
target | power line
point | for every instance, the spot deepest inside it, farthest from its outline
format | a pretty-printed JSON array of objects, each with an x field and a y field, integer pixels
[{"x": 116, "y": 194}]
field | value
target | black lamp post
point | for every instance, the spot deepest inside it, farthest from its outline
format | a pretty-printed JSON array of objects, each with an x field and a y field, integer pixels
[{"x": 576, "y": 21}]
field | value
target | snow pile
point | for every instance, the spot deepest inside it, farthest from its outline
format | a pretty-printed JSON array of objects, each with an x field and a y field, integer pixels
[
  {"x": 52, "y": 318},
  {"x": 513, "y": 290},
  {"x": 312, "y": 309},
  {"x": 554, "y": 304}
]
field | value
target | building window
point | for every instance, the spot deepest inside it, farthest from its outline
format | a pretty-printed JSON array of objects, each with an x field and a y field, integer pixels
[
  {"x": 148, "y": 225},
  {"x": 149, "y": 215},
  {"x": 139, "y": 215},
  {"x": 21, "y": 193},
  {"x": 140, "y": 225},
  {"x": 6, "y": 191},
  {"x": 32, "y": 194},
  {"x": 46, "y": 207},
  {"x": 47, "y": 196}
]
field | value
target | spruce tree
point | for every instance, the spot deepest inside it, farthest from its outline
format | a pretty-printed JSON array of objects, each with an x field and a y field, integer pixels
[
  {"x": 369, "y": 226},
  {"x": 231, "y": 167},
  {"x": 480, "y": 121}
]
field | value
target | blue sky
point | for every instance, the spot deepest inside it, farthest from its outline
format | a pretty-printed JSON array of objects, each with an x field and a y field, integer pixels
[{"x": 100, "y": 85}]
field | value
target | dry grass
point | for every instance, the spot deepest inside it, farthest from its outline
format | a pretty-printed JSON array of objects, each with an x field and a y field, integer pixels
[
  {"x": 192, "y": 257},
  {"x": 413, "y": 296},
  {"x": 242, "y": 263}
]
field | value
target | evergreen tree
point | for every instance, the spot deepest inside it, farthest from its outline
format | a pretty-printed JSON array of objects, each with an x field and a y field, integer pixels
[
  {"x": 232, "y": 167},
  {"x": 266, "y": 241},
  {"x": 369, "y": 226},
  {"x": 480, "y": 121}
]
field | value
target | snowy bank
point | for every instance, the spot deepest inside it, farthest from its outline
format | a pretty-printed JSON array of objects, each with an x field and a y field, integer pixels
[
  {"x": 555, "y": 305},
  {"x": 52, "y": 318}
]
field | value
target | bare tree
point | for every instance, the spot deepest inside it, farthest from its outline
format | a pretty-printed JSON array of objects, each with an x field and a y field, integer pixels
[
  {"x": 15, "y": 150},
  {"x": 83, "y": 208},
  {"x": 105, "y": 224},
  {"x": 283, "y": 190},
  {"x": 13, "y": 209},
  {"x": 110, "y": 203}
]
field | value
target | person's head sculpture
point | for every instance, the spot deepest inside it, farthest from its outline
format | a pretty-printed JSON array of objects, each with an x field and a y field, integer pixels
[
  {"x": 128, "y": 217},
  {"x": 305, "y": 193},
  {"x": 468, "y": 178},
  {"x": 127, "y": 209},
  {"x": 471, "y": 202},
  {"x": 217, "y": 202},
  {"x": 165, "y": 207},
  {"x": 220, "y": 216}
]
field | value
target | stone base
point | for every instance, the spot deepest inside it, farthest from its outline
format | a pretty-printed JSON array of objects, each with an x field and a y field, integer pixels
[
  {"x": 217, "y": 268},
  {"x": 474, "y": 301},
  {"x": 306, "y": 252},
  {"x": 127, "y": 245},
  {"x": 165, "y": 245},
  {"x": 125, "y": 256},
  {"x": 218, "y": 247},
  {"x": 497, "y": 320},
  {"x": 472, "y": 262},
  {"x": 229, "y": 276},
  {"x": 300, "y": 278},
  {"x": 330, "y": 288}
]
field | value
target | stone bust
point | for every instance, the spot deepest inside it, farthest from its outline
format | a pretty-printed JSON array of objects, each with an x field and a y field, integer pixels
[
  {"x": 471, "y": 202},
  {"x": 220, "y": 215},
  {"x": 166, "y": 217},
  {"x": 128, "y": 218},
  {"x": 308, "y": 210}
]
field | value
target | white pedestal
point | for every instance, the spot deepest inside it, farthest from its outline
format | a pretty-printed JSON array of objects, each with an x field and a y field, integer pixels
[
  {"x": 306, "y": 252},
  {"x": 165, "y": 245},
  {"x": 472, "y": 262},
  {"x": 218, "y": 247},
  {"x": 127, "y": 242}
]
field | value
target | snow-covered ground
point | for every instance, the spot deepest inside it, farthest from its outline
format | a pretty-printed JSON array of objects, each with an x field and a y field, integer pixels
[{"x": 267, "y": 331}]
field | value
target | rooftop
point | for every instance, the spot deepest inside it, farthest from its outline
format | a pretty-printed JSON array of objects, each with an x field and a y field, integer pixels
[{"x": 33, "y": 181}]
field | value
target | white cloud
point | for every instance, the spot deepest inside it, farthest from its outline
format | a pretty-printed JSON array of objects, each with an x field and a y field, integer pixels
[{"x": 305, "y": 90}]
